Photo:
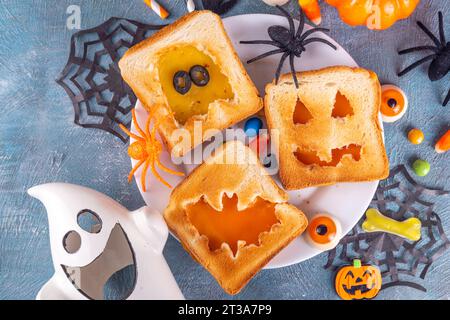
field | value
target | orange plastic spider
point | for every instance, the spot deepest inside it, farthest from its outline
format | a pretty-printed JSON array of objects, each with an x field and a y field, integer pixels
[{"x": 147, "y": 149}]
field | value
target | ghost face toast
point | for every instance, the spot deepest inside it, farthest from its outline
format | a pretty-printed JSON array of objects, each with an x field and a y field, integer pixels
[{"x": 231, "y": 216}]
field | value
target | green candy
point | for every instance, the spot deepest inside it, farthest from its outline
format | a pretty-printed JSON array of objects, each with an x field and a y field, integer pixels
[{"x": 421, "y": 167}]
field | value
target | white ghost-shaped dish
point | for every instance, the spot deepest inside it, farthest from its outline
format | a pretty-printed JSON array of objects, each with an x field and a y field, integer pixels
[{"x": 86, "y": 255}]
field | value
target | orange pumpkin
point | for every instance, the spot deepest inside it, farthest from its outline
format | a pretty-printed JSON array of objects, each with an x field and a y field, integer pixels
[
  {"x": 375, "y": 14},
  {"x": 358, "y": 282}
]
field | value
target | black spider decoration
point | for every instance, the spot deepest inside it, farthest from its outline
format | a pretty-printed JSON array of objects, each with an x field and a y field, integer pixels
[
  {"x": 219, "y": 6},
  {"x": 398, "y": 197},
  {"x": 91, "y": 77},
  {"x": 440, "y": 64},
  {"x": 289, "y": 42}
]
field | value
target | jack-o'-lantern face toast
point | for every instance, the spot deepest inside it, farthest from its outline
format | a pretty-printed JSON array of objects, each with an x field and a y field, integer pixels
[
  {"x": 190, "y": 72},
  {"x": 232, "y": 217},
  {"x": 329, "y": 129}
]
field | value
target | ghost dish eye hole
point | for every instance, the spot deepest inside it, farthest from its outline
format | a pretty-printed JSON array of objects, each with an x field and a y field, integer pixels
[
  {"x": 199, "y": 75},
  {"x": 182, "y": 82}
]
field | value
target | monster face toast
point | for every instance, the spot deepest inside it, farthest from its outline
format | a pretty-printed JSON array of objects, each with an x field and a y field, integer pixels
[
  {"x": 232, "y": 224},
  {"x": 190, "y": 72}
]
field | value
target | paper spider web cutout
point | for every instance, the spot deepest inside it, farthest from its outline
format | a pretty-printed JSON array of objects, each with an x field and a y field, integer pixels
[
  {"x": 398, "y": 197},
  {"x": 219, "y": 6},
  {"x": 91, "y": 77}
]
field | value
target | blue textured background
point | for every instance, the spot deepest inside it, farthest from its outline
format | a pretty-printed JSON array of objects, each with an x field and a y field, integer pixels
[{"x": 39, "y": 142}]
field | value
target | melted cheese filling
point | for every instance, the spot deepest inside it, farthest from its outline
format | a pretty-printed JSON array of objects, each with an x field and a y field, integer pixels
[
  {"x": 197, "y": 100},
  {"x": 230, "y": 225}
]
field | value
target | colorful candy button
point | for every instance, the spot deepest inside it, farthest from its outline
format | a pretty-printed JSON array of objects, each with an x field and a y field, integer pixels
[
  {"x": 421, "y": 167},
  {"x": 416, "y": 136},
  {"x": 394, "y": 103},
  {"x": 252, "y": 127},
  {"x": 324, "y": 232},
  {"x": 260, "y": 144}
]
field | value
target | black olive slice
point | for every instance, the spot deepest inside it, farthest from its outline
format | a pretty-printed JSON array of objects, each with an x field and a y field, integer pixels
[
  {"x": 199, "y": 75},
  {"x": 182, "y": 82}
]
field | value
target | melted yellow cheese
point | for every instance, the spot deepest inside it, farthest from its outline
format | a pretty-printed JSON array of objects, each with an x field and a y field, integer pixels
[{"x": 198, "y": 99}]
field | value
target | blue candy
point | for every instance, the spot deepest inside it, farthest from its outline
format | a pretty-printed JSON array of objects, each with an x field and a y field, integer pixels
[{"x": 252, "y": 127}]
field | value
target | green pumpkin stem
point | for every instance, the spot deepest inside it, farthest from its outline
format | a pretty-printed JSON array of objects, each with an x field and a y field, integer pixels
[{"x": 357, "y": 263}]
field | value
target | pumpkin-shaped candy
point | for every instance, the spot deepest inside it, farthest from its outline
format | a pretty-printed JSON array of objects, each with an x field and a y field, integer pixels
[
  {"x": 357, "y": 282},
  {"x": 375, "y": 14}
]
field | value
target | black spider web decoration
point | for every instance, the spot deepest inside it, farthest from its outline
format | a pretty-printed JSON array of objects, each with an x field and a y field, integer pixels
[
  {"x": 91, "y": 77},
  {"x": 398, "y": 197},
  {"x": 219, "y": 6}
]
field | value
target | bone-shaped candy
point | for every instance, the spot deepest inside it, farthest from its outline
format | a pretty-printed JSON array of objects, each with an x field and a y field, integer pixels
[{"x": 376, "y": 221}]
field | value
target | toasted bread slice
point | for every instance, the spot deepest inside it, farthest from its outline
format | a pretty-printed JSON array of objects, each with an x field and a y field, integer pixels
[
  {"x": 329, "y": 128},
  {"x": 199, "y": 38},
  {"x": 232, "y": 217}
]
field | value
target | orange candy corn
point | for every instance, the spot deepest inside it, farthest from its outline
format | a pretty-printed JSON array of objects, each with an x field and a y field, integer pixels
[
  {"x": 443, "y": 143},
  {"x": 311, "y": 9}
]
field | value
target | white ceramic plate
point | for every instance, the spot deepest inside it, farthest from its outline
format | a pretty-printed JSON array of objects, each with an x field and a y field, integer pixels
[{"x": 346, "y": 201}]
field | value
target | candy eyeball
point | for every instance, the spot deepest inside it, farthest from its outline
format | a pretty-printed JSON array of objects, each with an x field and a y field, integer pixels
[
  {"x": 324, "y": 232},
  {"x": 394, "y": 103}
]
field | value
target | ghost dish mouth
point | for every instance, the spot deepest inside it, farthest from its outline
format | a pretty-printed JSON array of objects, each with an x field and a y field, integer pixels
[{"x": 117, "y": 261}]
